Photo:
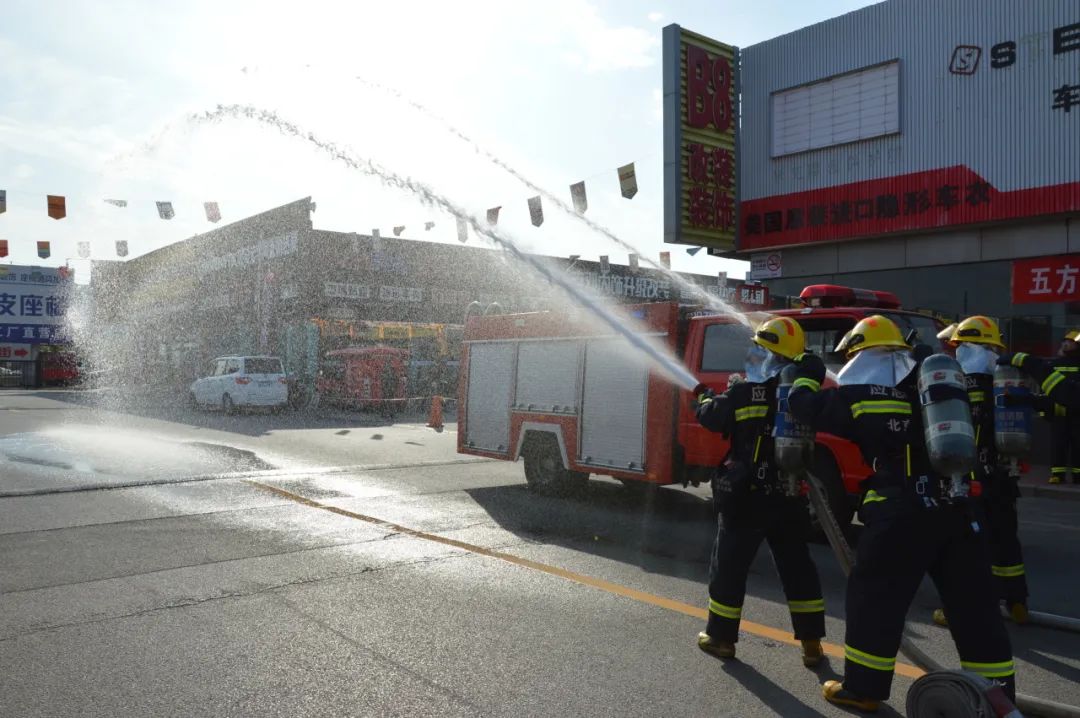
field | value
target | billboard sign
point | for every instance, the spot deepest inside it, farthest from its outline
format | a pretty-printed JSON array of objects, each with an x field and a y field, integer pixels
[
  {"x": 767, "y": 265},
  {"x": 33, "y": 301},
  {"x": 1046, "y": 279},
  {"x": 700, "y": 140},
  {"x": 927, "y": 137}
]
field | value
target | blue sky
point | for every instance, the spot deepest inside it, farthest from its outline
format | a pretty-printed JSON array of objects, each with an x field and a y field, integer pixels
[{"x": 96, "y": 94}]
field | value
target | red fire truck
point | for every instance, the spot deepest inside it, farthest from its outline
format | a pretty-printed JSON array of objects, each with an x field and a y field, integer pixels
[{"x": 572, "y": 400}]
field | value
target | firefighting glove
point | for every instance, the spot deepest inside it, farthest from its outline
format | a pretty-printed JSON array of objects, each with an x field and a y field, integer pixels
[
  {"x": 704, "y": 394},
  {"x": 1034, "y": 366},
  {"x": 810, "y": 366}
]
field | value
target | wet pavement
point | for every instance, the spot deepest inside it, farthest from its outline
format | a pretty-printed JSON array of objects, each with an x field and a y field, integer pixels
[{"x": 349, "y": 575}]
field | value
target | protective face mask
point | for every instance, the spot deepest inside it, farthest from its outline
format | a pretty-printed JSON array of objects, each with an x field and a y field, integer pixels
[
  {"x": 754, "y": 364},
  {"x": 976, "y": 358},
  {"x": 881, "y": 367}
]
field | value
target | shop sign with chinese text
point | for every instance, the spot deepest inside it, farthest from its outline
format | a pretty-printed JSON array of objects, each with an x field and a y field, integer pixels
[
  {"x": 1046, "y": 279},
  {"x": 700, "y": 129}
]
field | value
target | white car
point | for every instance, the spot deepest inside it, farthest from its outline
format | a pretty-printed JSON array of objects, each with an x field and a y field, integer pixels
[{"x": 241, "y": 381}]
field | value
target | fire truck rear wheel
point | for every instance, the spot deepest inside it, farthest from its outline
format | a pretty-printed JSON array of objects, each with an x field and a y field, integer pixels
[
  {"x": 544, "y": 470},
  {"x": 842, "y": 505}
]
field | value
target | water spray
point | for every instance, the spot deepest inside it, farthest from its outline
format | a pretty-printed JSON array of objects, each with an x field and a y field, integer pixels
[{"x": 667, "y": 365}]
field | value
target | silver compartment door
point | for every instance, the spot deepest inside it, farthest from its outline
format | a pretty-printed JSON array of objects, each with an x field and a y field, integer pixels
[
  {"x": 547, "y": 376},
  {"x": 491, "y": 376},
  {"x": 613, "y": 405}
]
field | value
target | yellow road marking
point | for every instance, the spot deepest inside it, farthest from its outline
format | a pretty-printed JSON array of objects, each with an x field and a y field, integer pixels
[{"x": 758, "y": 629}]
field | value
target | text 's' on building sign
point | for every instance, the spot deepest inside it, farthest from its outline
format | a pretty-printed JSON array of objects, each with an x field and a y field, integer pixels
[{"x": 700, "y": 124}]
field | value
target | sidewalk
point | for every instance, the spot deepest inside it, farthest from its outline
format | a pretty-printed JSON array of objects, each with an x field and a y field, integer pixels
[{"x": 1034, "y": 483}]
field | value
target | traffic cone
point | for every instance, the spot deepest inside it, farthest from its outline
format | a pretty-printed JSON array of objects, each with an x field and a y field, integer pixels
[{"x": 435, "y": 415}]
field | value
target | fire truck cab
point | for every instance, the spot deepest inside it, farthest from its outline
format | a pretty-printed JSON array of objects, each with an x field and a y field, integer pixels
[{"x": 573, "y": 399}]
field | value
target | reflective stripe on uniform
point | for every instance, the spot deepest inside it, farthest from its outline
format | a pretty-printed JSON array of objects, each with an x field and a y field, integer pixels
[
  {"x": 976, "y": 396},
  {"x": 751, "y": 412},
  {"x": 757, "y": 449},
  {"x": 1059, "y": 469},
  {"x": 880, "y": 406},
  {"x": 1004, "y": 669},
  {"x": 1067, "y": 369},
  {"x": 869, "y": 660},
  {"x": 816, "y": 605},
  {"x": 1051, "y": 381},
  {"x": 907, "y": 455},
  {"x": 873, "y": 496},
  {"x": 732, "y": 612},
  {"x": 1008, "y": 571},
  {"x": 806, "y": 381},
  {"x": 1018, "y": 359}
]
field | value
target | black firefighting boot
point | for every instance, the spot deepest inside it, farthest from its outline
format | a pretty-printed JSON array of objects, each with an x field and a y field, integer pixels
[
  {"x": 812, "y": 653},
  {"x": 715, "y": 647},
  {"x": 835, "y": 693}
]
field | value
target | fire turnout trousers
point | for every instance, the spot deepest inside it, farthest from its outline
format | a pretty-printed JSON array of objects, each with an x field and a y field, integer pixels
[
  {"x": 785, "y": 525},
  {"x": 900, "y": 544},
  {"x": 1064, "y": 447},
  {"x": 1007, "y": 559}
]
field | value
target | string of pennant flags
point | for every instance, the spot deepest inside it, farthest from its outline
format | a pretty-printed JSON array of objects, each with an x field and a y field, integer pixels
[{"x": 56, "y": 207}]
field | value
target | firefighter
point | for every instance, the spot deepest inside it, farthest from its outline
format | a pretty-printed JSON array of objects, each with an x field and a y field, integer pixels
[
  {"x": 753, "y": 505},
  {"x": 1065, "y": 424},
  {"x": 978, "y": 346},
  {"x": 911, "y": 525},
  {"x": 1060, "y": 386}
]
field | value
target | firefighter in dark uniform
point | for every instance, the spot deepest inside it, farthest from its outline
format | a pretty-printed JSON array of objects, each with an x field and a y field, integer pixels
[
  {"x": 1060, "y": 387},
  {"x": 1065, "y": 424},
  {"x": 753, "y": 505},
  {"x": 911, "y": 525},
  {"x": 978, "y": 345}
]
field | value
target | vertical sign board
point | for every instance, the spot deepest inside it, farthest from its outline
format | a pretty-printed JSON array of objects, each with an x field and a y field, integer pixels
[{"x": 700, "y": 140}]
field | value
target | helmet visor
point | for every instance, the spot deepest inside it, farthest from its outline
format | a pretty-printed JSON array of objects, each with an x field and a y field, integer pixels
[
  {"x": 877, "y": 366},
  {"x": 976, "y": 358}
]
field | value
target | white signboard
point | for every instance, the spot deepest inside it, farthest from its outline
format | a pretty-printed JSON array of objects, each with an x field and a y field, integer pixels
[
  {"x": 32, "y": 304},
  {"x": 15, "y": 352},
  {"x": 401, "y": 294},
  {"x": 346, "y": 290},
  {"x": 767, "y": 265},
  {"x": 261, "y": 251}
]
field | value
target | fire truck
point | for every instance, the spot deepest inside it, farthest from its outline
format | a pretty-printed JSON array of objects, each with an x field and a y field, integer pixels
[{"x": 572, "y": 400}]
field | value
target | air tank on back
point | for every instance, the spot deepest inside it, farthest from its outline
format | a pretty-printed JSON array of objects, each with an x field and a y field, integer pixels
[
  {"x": 1013, "y": 423},
  {"x": 950, "y": 438},
  {"x": 793, "y": 441}
]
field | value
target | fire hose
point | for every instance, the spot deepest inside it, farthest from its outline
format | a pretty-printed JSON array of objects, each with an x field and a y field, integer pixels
[{"x": 940, "y": 692}]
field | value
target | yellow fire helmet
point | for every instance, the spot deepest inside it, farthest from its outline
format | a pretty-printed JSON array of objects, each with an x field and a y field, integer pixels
[
  {"x": 781, "y": 335},
  {"x": 978, "y": 330},
  {"x": 946, "y": 334},
  {"x": 873, "y": 331},
  {"x": 1073, "y": 336}
]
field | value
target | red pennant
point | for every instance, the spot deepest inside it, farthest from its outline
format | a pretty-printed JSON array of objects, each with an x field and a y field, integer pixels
[
  {"x": 57, "y": 206},
  {"x": 3, "y": 248}
]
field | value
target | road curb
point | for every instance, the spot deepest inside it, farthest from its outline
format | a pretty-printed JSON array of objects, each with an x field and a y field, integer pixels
[{"x": 1050, "y": 492}]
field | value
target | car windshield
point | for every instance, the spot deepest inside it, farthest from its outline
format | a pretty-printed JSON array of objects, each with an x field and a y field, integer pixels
[{"x": 262, "y": 366}]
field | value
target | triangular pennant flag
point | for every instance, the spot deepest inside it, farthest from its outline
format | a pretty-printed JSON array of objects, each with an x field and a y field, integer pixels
[
  {"x": 398, "y": 230},
  {"x": 3, "y": 248},
  {"x": 628, "y": 181},
  {"x": 633, "y": 262},
  {"x": 57, "y": 206},
  {"x": 693, "y": 250},
  {"x": 121, "y": 248},
  {"x": 376, "y": 233},
  {"x": 577, "y": 193},
  {"x": 84, "y": 250},
  {"x": 213, "y": 213},
  {"x": 493, "y": 215},
  {"x": 428, "y": 226},
  {"x": 536, "y": 211},
  {"x": 3, "y": 201},
  {"x": 462, "y": 230},
  {"x": 117, "y": 202},
  {"x": 665, "y": 259},
  {"x": 43, "y": 250},
  {"x": 165, "y": 210},
  {"x": 605, "y": 266}
]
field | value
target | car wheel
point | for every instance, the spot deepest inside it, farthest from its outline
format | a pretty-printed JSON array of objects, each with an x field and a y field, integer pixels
[{"x": 227, "y": 404}]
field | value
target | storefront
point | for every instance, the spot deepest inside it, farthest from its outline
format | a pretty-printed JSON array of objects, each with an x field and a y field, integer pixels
[{"x": 33, "y": 331}]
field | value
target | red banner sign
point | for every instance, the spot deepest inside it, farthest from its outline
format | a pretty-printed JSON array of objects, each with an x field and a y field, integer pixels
[{"x": 1046, "y": 279}]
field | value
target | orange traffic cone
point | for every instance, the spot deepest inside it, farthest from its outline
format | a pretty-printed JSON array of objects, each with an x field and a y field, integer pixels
[{"x": 435, "y": 415}]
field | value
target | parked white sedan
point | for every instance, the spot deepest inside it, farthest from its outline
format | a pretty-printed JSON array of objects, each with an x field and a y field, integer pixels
[{"x": 242, "y": 381}]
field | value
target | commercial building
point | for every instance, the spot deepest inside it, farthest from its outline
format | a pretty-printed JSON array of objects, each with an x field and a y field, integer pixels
[
  {"x": 927, "y": 148},
  {"x": 33, "y": 320},
  {"x": 274, "y": 284}
]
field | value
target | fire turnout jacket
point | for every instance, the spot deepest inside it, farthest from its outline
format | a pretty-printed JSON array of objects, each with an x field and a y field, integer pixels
[{"x": 744, "y": 415}]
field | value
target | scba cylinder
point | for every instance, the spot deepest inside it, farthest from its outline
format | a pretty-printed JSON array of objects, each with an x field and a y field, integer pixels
[
  {"x": 1013, "y": 423},
  {"x": 950, "y": 438},
  {"x": 793, "y": 441}
]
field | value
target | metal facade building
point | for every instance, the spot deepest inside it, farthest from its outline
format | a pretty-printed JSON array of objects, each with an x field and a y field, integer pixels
[{"x": 923, "y": 147}]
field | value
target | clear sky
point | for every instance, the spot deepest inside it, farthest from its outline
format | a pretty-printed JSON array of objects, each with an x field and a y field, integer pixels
[{"x": 95, "y": 98}]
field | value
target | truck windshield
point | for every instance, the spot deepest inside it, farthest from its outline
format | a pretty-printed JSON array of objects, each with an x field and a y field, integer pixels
[
  {"x": 725, "y": 347},
  {"x": 926, "y": 328}
]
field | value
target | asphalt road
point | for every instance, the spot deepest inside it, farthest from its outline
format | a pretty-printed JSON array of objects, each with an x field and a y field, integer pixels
[{"x": 156, "y": 561}]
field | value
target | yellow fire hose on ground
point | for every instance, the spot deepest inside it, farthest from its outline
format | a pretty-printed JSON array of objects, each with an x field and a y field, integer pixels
[{"x": 941, "y": 693}]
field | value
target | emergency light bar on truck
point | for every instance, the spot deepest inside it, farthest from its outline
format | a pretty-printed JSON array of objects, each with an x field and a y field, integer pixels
[{"x": 833, "y": 295}]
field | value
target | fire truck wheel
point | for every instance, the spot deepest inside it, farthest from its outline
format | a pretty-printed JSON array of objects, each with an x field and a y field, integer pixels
[
  {"x": 544, "y": 470},
  {"x": 840, "y": 502}
]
